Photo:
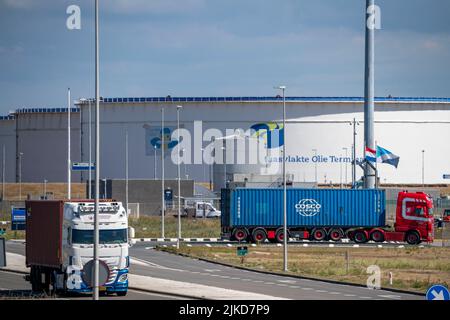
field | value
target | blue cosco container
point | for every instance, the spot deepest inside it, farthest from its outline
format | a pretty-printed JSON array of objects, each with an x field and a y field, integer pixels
[{"x": 305, "y": 208}]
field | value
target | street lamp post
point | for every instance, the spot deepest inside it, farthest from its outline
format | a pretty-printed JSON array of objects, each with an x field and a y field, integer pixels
[
  {"x": 45, "y": 189},
  {"x": 204, "y": 167},
  {"x": 183, "y": 150},
  {"x": 163, "y": 203},
  {"x": 423, "y": 168},
  {"x": 354, "y": 123},
  {"x": 104, "y": 188},
  {"x": 346, "y": 155},
  {"x": 154, "y": 162},
  {"x": 285, "y": 235},
  {"x": 69, "y": 175},
  {"x": 179, "y": 179},
  {"x": 224, "y": 166},
  {"x": 97, "y": 159},
  {"x": 20, "y": 175},
  {"x": 315, "y": 166},
  {"x": 90, "y": 149},
  {"x": 126, "y": 170},
  {"x": 3, "y": 172}
]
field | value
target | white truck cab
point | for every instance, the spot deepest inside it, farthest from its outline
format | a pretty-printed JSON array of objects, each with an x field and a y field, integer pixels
[{"x": 77, "y": 245}]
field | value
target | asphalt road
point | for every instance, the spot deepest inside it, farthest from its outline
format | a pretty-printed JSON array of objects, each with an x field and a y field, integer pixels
[
  {"x": 149, "y": 262},
  {"x": 13, "y": 286}
]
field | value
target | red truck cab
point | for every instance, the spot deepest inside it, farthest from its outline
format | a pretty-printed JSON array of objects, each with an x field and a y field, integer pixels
[{"x": 414, "y": 221}]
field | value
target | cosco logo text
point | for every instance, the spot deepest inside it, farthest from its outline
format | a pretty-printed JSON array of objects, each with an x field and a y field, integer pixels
[{"x": 308, "y": 207}]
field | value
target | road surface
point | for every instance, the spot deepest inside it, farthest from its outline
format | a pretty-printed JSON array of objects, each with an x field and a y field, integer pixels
[
  {"x": 146, "y": 261},
  {"x": 13, "y": 286}
]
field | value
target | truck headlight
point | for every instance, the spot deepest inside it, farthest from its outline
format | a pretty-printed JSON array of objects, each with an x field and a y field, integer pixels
[{"x": 123, "y": 277}]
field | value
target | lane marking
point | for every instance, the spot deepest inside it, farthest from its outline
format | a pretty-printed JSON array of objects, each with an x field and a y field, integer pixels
[
  {"x": 154, "y": 265},
  {"x": 389, "y": 296},
  {"x": 287, "y": 281}
]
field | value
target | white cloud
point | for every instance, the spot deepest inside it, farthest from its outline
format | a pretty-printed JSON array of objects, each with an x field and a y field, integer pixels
[{"x": 154, "y": 6}]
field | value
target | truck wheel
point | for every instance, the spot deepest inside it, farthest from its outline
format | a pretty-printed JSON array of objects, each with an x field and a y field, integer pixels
[
  {"x": 377, "y": 236},
  {"x": 35, "y": 277},
  {"x": 319, "y": 234},
  {"x": 33, "y": 280},
  {"x": 360, "y": 236},
  {"x": 279, "y": 236},
  {"x": 240, "y": 234},
  {"x": 412, "y": 238},
  {"x": 122, "y": 293},
  {"x": 259, "y": 235},
  {"x": 47, "y": 282},
  {"x": 336, "y": 234}
]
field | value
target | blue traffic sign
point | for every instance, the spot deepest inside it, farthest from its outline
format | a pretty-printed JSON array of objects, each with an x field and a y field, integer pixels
[
  {"x": 18, "y": 219},
  {"x": 82, "y": 166},
  {"x": 446, "y": 176},
  {"x": 438, "y": 292}
]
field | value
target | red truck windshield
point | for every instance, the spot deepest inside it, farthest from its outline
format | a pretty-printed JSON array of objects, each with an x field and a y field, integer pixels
[{"x": 106, "y": 236}]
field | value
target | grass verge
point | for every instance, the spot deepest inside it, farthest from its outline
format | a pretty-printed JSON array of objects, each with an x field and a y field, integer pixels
[
  {"x": 150, "y": 227},
  {"x": 413, "y": 269}
]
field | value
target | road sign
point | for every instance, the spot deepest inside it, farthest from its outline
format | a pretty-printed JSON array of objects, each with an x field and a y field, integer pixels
[
  {"x": 82, "y": 166},
  {"x": 438, "y": 292},
  {"x": 242, "y": 251},
  {"x": 446, "y": 176},
  {"x": 18, "y": 218}
]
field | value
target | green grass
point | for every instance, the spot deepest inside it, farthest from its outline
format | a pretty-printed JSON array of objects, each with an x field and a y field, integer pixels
[
  {"x": 413, "y": 269},
  {"x": 150, "y": 227},
  {"x": 13, "y": 235}
]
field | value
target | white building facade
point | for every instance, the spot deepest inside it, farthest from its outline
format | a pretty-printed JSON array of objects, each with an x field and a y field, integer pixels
[
  {"x": 319, "y": 135},
  {"x": 319, "y": 138}
]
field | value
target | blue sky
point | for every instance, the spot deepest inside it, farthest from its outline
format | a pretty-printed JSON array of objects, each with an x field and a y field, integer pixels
[{"x": 219, "y": 48}]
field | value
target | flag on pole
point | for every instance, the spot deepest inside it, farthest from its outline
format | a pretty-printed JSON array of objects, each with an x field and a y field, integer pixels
[
  {"x": 385, "y": 156},
  {"x": 371, "y": 155}
]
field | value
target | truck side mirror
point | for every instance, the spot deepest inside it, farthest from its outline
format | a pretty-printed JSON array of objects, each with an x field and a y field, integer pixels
[{"x": 131, "y": 233}]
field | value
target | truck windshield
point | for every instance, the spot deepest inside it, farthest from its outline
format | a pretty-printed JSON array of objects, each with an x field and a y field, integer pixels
[{"x": 106, "y": 236}]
